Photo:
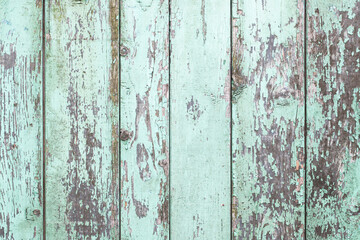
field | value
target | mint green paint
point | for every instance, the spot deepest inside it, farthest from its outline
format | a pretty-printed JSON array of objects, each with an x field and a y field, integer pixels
[
  {"x": 175, "y": 133},
  {"x": 144, "y": 119},
  {"x": 333, "y": 119},
  {"x": 82, "y": 114},
  {"x": 200, "y": 120},
  {"x": 268, "y": 119},
  {"x": 20, "y": 120}
]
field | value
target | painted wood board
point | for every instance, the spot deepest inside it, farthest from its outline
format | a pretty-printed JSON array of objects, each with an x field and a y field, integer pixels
[
  {"x": 21, "y": 190},
  {"x": 144, "y": 119},
  {"x": 200, "y": 120},
  {"x": 268, "y": 116},
  {"x": 82, "y": 119},
  {"x": 333, "y": 110}
]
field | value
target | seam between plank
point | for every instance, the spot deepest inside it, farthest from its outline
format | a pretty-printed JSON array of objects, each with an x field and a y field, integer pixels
[
  {"x": 231, "y": 123},
  {"x": 119, "y": 118},
  {"x": 305, "y": 116},
  {"x": 169, "y": 122},
  {"x": 44, "y": 120}
]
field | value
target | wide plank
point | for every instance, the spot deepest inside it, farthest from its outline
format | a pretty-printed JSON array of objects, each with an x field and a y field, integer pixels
[
  {"x": 82, "y": 119},
  {"x": 268, "y": 114},
  {"x": 21, "y": 189},
  {"x": 200, "y": 120},
  {"x": 144, "y": 136},
  {"x": 333, "y": 110}
]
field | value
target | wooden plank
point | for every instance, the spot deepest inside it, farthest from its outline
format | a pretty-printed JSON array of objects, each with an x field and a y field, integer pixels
[
  {"x": 82, "y": 115},
  {"x": 21, "y": 196},
  {"x": 144, "y": 119},
  {"x": 268, "y": 119},
  {"x": 200, "y": 120},
  {"x": 333, "y": 98}
]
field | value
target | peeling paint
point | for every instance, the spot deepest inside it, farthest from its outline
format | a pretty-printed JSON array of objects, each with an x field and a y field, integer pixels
[
  {"x": 200, "y": 120},
  {"x": 8, "y": 60},
  {"x": 268, "y": 119},
  {"x": 20, "y": 120},
  {"x": 144, "y": 119},
  {"x": 334, "y": 91},
  {"x": 82, "y": 119}
]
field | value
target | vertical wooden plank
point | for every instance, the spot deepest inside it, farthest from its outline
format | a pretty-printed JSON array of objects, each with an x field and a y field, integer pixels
[
  {"x": 21, "y": 196},
  {"x": 268, "y": 119},
  {"x": 333, "y": 103},
  {"x": 200, "y": 119},
  {"x": 144, "y": 119},
  {"x": 82, "y": 168}
]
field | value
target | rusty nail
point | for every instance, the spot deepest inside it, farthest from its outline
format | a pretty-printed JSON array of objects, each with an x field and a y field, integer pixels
[{"x": 124, "y": 51}]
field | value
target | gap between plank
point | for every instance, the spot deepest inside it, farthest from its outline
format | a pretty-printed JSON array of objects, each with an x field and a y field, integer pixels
[
  {"x": 305, "y": 113},
  {"x": 119, "y": 128},
  {"x": 43, "y": 118},
  {"x": 169, "y": 122},
  {"x": 231, "y": 117}
]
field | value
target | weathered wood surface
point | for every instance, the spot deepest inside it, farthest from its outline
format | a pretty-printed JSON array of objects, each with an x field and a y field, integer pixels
[
  {"x": 175, "y": 115},
  {"x": 82, "y": 117},
  {"x": 21, "y": 196},
  {"x": 333, "y": 103},
  {"x": 268, "y": 119},
  {"x": 200, "y": 120},
  {"x": 144, "y": 119}
]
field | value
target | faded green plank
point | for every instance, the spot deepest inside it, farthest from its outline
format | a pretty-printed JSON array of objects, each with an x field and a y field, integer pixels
[
  {"x": 200, "y": 120},
  {"x": 333, "y": 183},
  {"x": 268, "y": 119},
  {"x": 144, "y": 119},
  {"x": 82, "y": 168},
  {"x": 21, "y": 196}
]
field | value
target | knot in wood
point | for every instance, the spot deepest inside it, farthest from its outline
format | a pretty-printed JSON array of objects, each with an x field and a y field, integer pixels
[
  {"x": 125, "y": 135},
  {"x": 36, "y": 212}
]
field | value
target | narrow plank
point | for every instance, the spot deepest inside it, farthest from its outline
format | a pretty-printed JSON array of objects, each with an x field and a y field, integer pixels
[
  {"x": 268, "y": 119},
  {"x": 144, "y": 119},
  {"x": 200, "y": 120},
  {"x": 333, "y": 108},
  {"x": 21, "y": 195},
  {"x": 82, "y": 117}
]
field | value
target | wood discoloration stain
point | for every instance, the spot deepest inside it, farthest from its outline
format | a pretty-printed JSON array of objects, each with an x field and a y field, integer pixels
[
  {"x": 268, "y": 120},
  {"x": 333, "y": 113},
  {"x": 144, "y": 119}
]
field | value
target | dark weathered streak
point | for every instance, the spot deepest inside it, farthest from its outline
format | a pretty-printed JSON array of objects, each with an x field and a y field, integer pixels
[{"x": 333, "y": 101}]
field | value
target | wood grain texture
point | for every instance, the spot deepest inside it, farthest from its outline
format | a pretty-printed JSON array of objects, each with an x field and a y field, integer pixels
[
  {"x": 21, "y": 195},
  {"x": 82, "y": 117},
  {"x": 200, "y": 120},
  {"x": 333, "y": 166},
  {"x": 144, "y": 119},
  {"x": 268, "y": 119}
]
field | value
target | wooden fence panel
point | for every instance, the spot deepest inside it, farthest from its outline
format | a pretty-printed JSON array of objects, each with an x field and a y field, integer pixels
[
  {"x": 268, "y": 119},
  {"x": 200, "y": 120},
  {"x": 333, "y": 106},
  {"x": 144, "y": 119},
  {"x": 205, "y": 152},
  {"x": 21, "y": 194},
  {"x": 82, "y": 115}
]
